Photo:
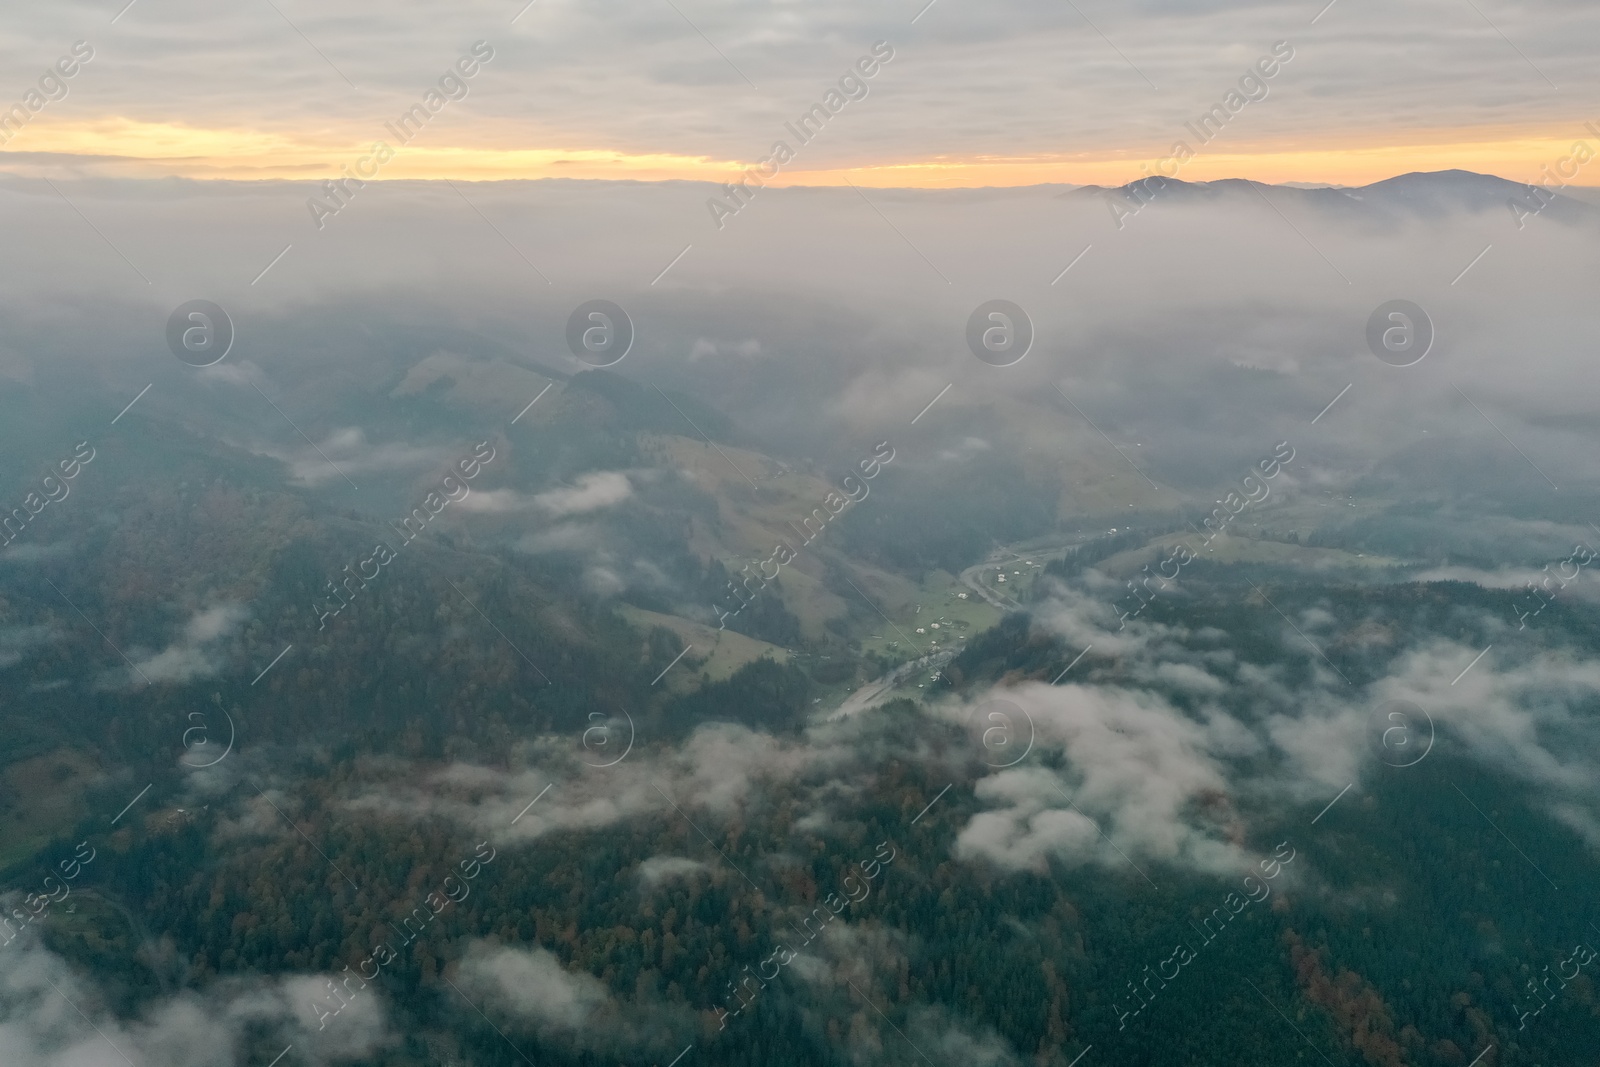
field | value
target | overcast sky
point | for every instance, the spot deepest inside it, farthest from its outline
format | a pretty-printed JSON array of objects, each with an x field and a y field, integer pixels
[{"x": 998, "y": 92}]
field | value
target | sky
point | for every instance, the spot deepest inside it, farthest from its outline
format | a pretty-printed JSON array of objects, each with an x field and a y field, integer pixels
[{"x": 1002, "y": 93}]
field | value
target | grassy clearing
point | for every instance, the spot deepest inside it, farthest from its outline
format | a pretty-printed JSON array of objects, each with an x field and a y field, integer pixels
[
  {"x": 938, "y": 609},
  {"x": 725, "y": 651},
  {"x": 1230, "y": 549},
  {"x": 40, "y": 798}
]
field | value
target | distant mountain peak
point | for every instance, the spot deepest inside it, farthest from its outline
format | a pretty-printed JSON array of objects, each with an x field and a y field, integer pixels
[{"x": 1429, "y": 193}]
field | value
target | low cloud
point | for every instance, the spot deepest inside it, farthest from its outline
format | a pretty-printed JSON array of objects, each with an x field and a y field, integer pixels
[
  {"x": 720, "y": 772},
  {"x": 1168, "y": 761},
  {"x": 469, "y": 381},
  {"x": 28, "y": 554},
  {"x": 595, "y": 490},
  {"x": 1526, "y": 719},
  {"x": 563, "y": 537},
  {"x": 1165, "y": 749},
  {"x": 1137, "y": 769},
  {"x": 51, "y": 1017},
  {"x": 718, "y": 769},
  {"x": 658, "y": 869},
  {"x": 347, "y": 452},
  {"x": 496, "y": 501},
  {"x": 703, "y": 347},
  {"x": 17, "y": 641},
  {"x": 1028, "y": 825},
  {"x": 532, "y": 985},
  {"x": 947, "y": 1041},
  {"x": 194, "y": 654}
]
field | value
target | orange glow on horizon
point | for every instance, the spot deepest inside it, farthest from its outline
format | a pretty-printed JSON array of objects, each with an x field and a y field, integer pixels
[{"x": 124, "y": 147}]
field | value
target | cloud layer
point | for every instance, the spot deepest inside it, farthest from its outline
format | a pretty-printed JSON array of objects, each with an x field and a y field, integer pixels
[{"x": 1009, "y": 85}]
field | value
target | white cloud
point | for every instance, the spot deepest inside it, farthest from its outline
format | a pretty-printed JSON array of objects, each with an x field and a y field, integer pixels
[
  {"x": 704, "y": 347},
  {"x": 947, "y": 1041},
  {"x": 562, "y": 537},
  {"x": 469, "y": 381},
  {"x": 1151, "y": 776},
  {"x": 347, "y": 450},
  {"x": 52, "y": 1017},
  {"x": 532, "y": 984},
  {"x": 719, "y": 768},
  {"x": 1148, "y": 771},
  {"x": 1522, "y": 718},
  {"x": 496, "y": 501},
  {"x": 1413, "y": 66},
  {"x": 1171, "y": 766},
  {"x": 1030, "y": 825},
  {"x": 531, "y": 987},
  {"x": 27, "y": 554},
  {"x": 595, "y": 490},
  {"x": 603, "y": 581},
  {"x": 240, "y": 373},
  {"x": 17, "y": 641},
  {"x": 658, "y": 869},
  {"x": 194, "y": 655}
]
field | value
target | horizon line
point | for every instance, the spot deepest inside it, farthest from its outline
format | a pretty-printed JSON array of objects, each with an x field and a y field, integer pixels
[
  {"x": 124, "y": 147},
  {"x": 1305, "y": 185}
]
